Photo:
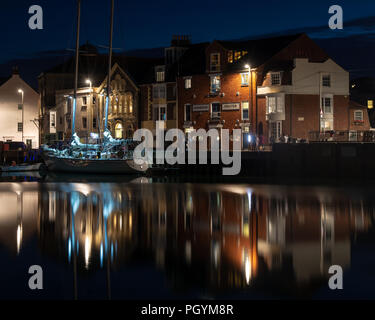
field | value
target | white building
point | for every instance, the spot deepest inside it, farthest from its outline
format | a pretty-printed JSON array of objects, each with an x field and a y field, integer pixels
[{"x": 17, "y": 123}]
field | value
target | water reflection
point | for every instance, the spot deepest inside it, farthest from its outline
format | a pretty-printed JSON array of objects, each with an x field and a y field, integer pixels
[{"x": 208, "y": 238}]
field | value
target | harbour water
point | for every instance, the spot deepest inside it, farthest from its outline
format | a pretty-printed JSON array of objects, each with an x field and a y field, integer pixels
[{"x": 147, "y": 240}]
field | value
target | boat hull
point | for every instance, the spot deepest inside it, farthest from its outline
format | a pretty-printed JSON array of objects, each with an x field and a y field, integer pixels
[
  {"x": 31, "y": 167},
  {"x": 107, "y": 166}
]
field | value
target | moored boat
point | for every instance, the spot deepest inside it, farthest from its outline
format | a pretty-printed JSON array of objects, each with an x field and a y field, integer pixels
[{"x": 22, "y": 167}]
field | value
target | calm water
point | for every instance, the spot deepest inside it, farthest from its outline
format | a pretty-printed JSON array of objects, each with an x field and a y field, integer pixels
[{"x": 144, "y": 240}]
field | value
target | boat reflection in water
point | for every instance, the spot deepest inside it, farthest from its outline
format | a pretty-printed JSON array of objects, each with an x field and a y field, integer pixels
[{"x": 150, "y": 240}]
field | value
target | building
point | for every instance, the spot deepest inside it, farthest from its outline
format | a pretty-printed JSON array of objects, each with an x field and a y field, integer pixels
[
  {"x": 56, "y": 89},
  {"x": 90, "y": 109},
  {"x": 19, "y": 111},
  {"x": 159, "y": 91},
  {"x": 283, "y": 86},
  {"x": 362, "y": 91}
]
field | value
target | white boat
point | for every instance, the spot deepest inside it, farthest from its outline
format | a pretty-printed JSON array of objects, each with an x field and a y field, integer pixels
[
  {"x": 22, "y": 167},
  {"x": 112, "y": 156}
]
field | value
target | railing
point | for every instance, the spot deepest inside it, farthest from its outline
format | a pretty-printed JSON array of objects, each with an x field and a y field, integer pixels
[{"x": 342, "y": 136}]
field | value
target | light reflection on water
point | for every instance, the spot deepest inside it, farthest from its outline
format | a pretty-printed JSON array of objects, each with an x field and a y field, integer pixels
[{"x": 151, "y": 240}]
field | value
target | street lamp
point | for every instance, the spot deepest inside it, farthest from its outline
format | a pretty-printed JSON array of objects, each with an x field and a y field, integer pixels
[
  {"x": 89, "y": 82},
  {"x": 21, "y": 92}
]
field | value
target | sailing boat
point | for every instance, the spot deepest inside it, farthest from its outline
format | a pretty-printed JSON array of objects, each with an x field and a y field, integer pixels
[{"x": 111, "y": 156}]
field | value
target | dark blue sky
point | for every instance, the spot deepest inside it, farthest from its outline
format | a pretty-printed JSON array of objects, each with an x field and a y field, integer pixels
[{"x": 145, "y": 24}]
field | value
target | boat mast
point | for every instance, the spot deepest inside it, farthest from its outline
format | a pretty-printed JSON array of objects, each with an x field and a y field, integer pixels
[
  {"x": 76, "y": 68},
  {"x": 109, "y": 69}
]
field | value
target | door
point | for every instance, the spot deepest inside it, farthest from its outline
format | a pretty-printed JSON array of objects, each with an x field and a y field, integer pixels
[{"x": 275, "y": 130}]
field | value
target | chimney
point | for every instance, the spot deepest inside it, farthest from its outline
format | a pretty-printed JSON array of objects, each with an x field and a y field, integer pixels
[{"x": 15, "y": 70}]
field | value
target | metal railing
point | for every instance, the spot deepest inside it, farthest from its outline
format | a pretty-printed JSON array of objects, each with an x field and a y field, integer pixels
[{"x": 342, "y": 136}]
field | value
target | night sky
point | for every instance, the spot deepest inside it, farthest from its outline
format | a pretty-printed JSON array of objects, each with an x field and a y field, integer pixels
[{"x": 145, "y": 24}]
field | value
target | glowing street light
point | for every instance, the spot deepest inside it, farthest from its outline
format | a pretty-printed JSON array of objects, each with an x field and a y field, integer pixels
[{"x": 90, "y": 83}]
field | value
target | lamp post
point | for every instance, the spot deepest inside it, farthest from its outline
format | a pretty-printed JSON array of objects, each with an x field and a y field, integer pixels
[
  {"x": 21, "y": 92},
  {"x": 250, "y": 105}
]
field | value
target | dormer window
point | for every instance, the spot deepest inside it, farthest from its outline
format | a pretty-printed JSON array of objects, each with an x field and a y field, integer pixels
[
  {"x": 215, "y": 62},
  {"x": 275, "y": 78},
  {"x": 160, "y": 74}
]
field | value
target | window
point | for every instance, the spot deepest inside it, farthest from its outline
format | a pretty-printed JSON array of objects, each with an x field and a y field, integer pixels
[
  {"x": 215, "y": 84},
  {"x": 84, "y": 100},
  {"x": 94, "y": 122},
  {"x": 187, "y": 83},
  {"x": 326, "y": 125},
  {"x": 60, "y": 120},
  {"x": 275, "y": 79},
  {"x": 215, "y": 111},
  {"x": 245, "y": 110},
  {"x": 370, "y": 104},
  {"x": 20, "y": 106},
  {"x": 327, "y": 105},
  {"x": 160, "y": 112},
  {"x": 160, "y": 75},
  {"x": 358, "y": 115},
  {"x": 230, "y": 56},
  {"x": 215, "y": 62},
  {"x": 245, "y": 79},
  {"x": 83, "y": 108},
  {"x": 19, "y": 126},
  {"x": 187, "y": 112},
  {"x": 84, "y": 122},
  {"x": 158, "y": 92},
  {"x": 326, "y": 80},
  {"x": 271, "y": 104},
  {"x": 276, "y": 103},
  {"x": 93, "y": 99}
]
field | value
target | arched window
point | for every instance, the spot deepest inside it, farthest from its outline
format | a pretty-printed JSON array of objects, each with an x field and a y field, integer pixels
[
  {"x": 118, "y": 131},
  {"x": 129, "y": 102}
]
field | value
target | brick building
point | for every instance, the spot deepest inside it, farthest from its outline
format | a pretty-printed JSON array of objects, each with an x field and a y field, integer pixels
[
  {"x": 272, "y": 87},
  {"x": 158, "y": 99}
]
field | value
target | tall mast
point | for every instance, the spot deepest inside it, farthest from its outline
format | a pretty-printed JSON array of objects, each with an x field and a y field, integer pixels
[
  {"x": 76, "y": 68},
  {"x": 108, "y": 101}
]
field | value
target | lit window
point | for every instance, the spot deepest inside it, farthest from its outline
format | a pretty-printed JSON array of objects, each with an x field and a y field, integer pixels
[
  {"x": 245, "y": 79},
  {"x": 215, "y": 62},
  {"x": 327, "y": 104},
  {"x": 215, "y": 84},
  {"x": 237, "y": 55},
  {"x": 160, "y": 75},
  {"x": 93, "y": 99},
  {"x": 271, "y": 104},
  {"x": 275, "y": 78},
  {"x": 230, "y": 56},
  {"x": 326, "y": 80},
  {"x": 245, "y": 110},
  {"x": 187, "y": 83},
  {"x": 358, "y": 115},
  {"x": 187, "y": 112},
  {"x": 370, "y": 104}
]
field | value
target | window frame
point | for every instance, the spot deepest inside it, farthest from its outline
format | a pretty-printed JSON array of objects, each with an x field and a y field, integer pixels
[
  {"x": 215, "y": 67},
  {"x": 327, "y": 75},
  {"x": 356, "y": 112},
  {"x": 243, "y": 74},
  {"x": 272, "y": 74},
  {"x": 187, "y": 83},
  {"x": 211, "y": 84},
  {"x": 242, "y": 110},
  {"x": 185, "y": 113}
]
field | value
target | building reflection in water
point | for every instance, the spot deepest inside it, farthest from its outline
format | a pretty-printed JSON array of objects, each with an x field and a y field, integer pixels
[{"x": 211, "y": 237}]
